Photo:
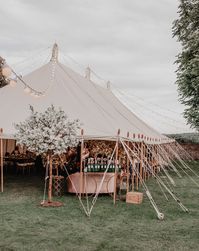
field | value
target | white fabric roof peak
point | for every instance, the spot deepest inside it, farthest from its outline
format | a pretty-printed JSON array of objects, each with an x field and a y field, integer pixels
[
  {"x": 97, "y": 108},
  {"x": 108, "y": 85},
  {"x": 55, "y": 51},
  {"x": 88, "y": 73}
]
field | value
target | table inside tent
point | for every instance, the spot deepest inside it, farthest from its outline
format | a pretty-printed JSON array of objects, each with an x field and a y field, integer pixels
[
  {"x": 90, "y": 183},
  {"x": 19, "y": 162}
]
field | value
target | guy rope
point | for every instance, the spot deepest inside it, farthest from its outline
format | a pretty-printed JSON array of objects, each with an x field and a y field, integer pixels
[
  {"x": 159, "y": 214},
  {"x": 161, "y": 182}
]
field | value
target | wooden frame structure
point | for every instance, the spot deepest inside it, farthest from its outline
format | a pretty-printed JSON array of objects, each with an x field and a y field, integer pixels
[
  {"x": 1, "y": 156},
  {"x": 144, "y": 157}
]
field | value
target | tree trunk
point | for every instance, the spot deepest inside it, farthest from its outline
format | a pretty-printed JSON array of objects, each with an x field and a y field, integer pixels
[
  {"x": 1, "y": 157},
  {"x": 50, "y": 178},
  {"x": 81, "y": 164}
]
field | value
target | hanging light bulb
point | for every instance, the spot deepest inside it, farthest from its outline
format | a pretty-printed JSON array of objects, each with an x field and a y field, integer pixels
[
  {"x": 6, "y": 71},
  {"x": 32, "y": 93},
  {"x": 36, "y": 95},
  {"x": 27, "y": 90},
  {"x": 12, "y": 82}
]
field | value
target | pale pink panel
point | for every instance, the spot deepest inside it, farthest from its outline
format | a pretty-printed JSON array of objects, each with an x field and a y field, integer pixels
[{"x": 91, "y": 183}]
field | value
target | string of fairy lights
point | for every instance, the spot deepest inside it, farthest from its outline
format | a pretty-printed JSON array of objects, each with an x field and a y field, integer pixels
[
  {"x": 167, "y": 120},
  {"x": 5, "y": 73},
  {"x": 8, "y": 77}
]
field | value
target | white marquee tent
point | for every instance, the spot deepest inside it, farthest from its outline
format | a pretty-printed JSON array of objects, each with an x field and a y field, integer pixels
[
  {"x": 101, "y": 115},
  {"x": 97, "y": 108}
]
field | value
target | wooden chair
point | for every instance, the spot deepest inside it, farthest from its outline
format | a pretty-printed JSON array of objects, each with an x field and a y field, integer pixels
[{"x": 25, "y": 167}]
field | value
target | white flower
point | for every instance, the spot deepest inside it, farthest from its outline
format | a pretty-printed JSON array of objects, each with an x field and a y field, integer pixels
[{"x": 48, "y": 131}]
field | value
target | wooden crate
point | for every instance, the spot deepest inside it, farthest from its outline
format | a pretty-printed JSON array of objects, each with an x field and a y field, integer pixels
[{"x": 134, "y": 197}]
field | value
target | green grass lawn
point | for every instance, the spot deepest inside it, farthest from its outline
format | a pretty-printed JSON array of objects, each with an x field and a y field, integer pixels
[{"x": 25, "y": 225}]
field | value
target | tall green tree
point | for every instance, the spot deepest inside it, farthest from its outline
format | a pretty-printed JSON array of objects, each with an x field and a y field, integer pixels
[{"x": 186, "y": 29}]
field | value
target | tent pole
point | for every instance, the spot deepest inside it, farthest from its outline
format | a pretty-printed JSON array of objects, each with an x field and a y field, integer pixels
[
  {"x": 116, "y": 167},
  {"x": 133, "y": 175},
  {"x": 145, "y": 158},
  {"x": 81, "y": 162},
  {"x": 154, "y": 160},
  {"x": 149, "y": 160},
  {"x": 137, "y": 176},
  {"x": 1, "y": 139},
  {"x": 141, "y": 158},
  {"x": 150, "y": 157},
  {"x": 158, "y": 163},
  {"x": 127, "y": 166}
]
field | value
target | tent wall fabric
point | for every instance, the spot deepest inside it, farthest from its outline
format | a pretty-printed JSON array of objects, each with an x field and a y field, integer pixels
[
  {"x": 100, "y": 112},
  {"x": 8, "y": 146}
]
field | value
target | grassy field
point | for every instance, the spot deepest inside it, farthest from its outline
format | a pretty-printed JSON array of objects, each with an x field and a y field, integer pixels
[{"x": 24, "y": 225}]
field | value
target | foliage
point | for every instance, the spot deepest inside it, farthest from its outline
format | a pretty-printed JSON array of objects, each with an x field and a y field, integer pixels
[
  {"x": 47, "y": 132},
  {"x": 186, "y": 29},
  {"x": 185, "y": 137}
]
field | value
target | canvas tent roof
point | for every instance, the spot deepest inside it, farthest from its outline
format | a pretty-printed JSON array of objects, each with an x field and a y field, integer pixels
[{"x": 97, "y": 108}]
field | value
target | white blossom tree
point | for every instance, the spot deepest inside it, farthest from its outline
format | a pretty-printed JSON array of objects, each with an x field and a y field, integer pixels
[{"x": 50, "y": 133}]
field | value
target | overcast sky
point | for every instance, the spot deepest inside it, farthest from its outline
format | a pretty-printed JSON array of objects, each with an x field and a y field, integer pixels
[{"x": 128, "y": 42}]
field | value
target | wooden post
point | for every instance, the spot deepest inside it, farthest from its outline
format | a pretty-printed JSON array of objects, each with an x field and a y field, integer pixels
[
  {"x": 116, "y": 167},
  {"x": 137, "y": 176},
  {"x": 1, "y": 155},
  {"x": 153, "y": 158},
  {"x": 81, "y": 163},
  {"x": 141, "y": 160},
  {"x": 150, "y": 154},
  {"x": 133, "y": 164},
  {"x": 50, "y": 178},
  {"x": 156, "y": 159},
  {"x": 127, "y": 164},
  {"x": 145, "y": 156}
]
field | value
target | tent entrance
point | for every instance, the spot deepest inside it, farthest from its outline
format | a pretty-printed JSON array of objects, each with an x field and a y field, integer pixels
[
  {"x": 19, "y": 179},
  {"x": 17, "y": 164},
  {"x": 7, "y": 146}
]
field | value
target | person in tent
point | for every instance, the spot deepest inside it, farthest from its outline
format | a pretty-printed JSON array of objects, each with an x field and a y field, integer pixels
[
  {"x": 85, "y": 153},
  {"x": 85, "y": 156},
  {"x": 16, "y": 151},
  {"x": 71, "y": 161},
  {"x": 78, "y": 150}
]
